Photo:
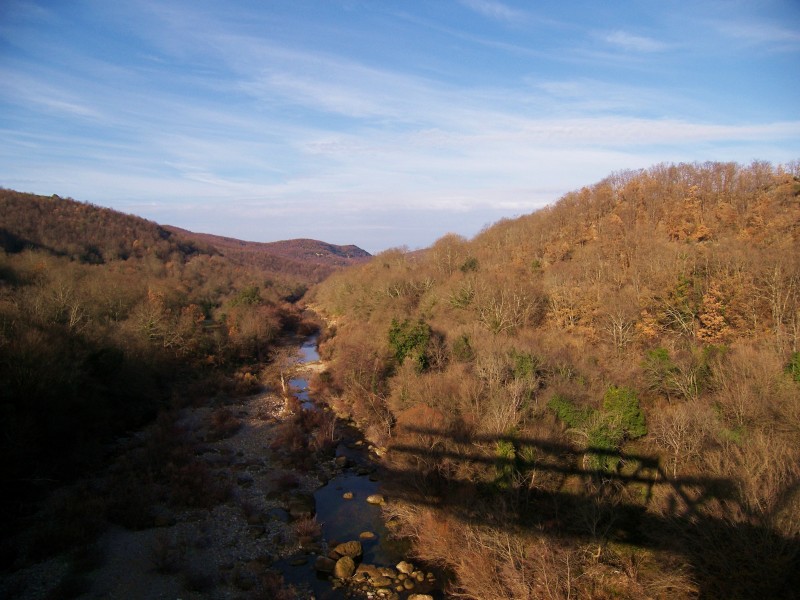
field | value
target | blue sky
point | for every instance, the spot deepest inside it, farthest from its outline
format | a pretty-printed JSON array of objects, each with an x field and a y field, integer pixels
[{"x": 381, "y": 123}]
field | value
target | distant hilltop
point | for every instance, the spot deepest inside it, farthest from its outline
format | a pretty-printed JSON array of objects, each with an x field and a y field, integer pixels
[
  {"x": 298, "y": 249},
  {"x": 326, "y": 257},
  {"x": 92, "y": 234}
]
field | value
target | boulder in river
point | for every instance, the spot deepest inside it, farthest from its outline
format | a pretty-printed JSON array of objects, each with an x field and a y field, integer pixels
[
  {"x": 388, "y": 572},
  {"x": 352, "y": 549},
  {"x": 345, "y": 567},
  {"x": 371, "y": 571},
  {"x": 381, "y": 581},
  {"x": 405, "y": 567},
  {"x": 375, "y": 499}
]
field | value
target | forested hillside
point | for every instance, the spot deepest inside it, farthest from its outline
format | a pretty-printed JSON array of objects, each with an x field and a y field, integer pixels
[
  {"x": 310, "y": 259},
  {"x": 107, "y": 320},
  {"x": 601, "y": 399}
]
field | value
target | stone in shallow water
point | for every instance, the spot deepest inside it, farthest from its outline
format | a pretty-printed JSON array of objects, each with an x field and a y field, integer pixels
[
  {"x": 352, "y": 549},
  {"x": 345, "y": 567},
  {"x": 368, "y": 570},
  {"x": 405, "y": 567},
  {"x": 347, "y": 495},
  {"x": 381, "y": 581},
  {"x": 375, "y": 499},
  {"x": 366, "y": 535}
]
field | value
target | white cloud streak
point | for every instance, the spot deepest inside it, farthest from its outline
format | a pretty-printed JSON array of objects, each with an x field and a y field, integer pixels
[
  {"x": 762, "y": 34},
  {"x": 494, "y": 10},
  {"x": 634, "y": 43}
]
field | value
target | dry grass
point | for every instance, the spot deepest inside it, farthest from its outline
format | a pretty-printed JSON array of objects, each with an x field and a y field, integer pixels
[
  {"x": 223, "y": 424},
  {"x": 307, "y": 527}
]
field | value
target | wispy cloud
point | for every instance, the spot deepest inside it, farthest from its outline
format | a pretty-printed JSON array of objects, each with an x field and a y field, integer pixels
[
  {"x": 764, "y": 34},
  {"x": 25, "y": 89},
  {"x": 494, "y": 10},
  {"x": 633, "y": 43}
]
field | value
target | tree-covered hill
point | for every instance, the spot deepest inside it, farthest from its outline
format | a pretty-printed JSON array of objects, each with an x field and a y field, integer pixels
[
  {"x": 312, "y": 259},
  {"x": 600, "y": 399},
  {"x": 108, "y": 320},
  {"x": 83, "y": 231}
]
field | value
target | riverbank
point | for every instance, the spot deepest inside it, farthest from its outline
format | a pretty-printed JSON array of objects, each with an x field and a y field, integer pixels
[
  {"x": 261, "y": 490},
  {"x": 219, "y": 546}
]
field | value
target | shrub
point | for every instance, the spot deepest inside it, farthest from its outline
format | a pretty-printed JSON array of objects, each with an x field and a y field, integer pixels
[
  {"x": 194, "y": 485},
  {"x": 249, "y": 296},
  {"x": 224, "y": 424},
  {"x": 462, "y": 348},
  {"x": 622, "y": 408},
  {"x": 506, "y": 455},
  {"x": 526, "y": 365},
  {"x": 573, "y": 416},
  {"x": 410, "y": 339},
  {"x": 463, "y": 296},
  {"x": 793, "y": 368},
  {"x": 307, "y": 527},
  {"x": 658, "y": 368},
  {"x": 620, "y": 419},
  {"x": 605, "y": 439},
  {"x": 273, "y": 587},
  {"x": 471, "y": 264}
]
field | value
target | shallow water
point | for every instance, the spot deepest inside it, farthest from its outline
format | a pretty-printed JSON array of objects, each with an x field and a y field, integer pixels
[
  {"x": 308, "y": 351},
  {"x": 342, "y": 520},
  {"x": 299, "y": 387}
]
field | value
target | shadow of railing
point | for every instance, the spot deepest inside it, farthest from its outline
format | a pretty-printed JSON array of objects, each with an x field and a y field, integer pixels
[{"x": 556, "y": 490}]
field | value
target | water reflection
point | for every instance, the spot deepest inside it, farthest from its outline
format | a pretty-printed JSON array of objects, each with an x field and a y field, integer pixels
[
  {"x": 308, "y": 351},
  {"x": 342, "y": 519},
  {"x": 299, "y": 387}
]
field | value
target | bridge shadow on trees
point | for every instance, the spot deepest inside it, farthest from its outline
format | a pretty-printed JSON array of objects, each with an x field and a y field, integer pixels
[{"x": 597, "y": 496}]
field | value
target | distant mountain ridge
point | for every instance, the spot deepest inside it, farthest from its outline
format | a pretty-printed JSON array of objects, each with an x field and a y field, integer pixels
[
  {"x": 313, "y": 257},
  {"x": 82, "y": 231},
  {"x": 94, "y": 234}
]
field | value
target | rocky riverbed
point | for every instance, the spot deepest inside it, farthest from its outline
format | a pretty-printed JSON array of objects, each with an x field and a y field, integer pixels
[
  {"x": 273, "y": 525},
  {"x": 354, "y": 555}
]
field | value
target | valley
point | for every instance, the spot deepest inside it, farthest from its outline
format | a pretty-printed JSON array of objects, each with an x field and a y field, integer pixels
[{"x": 600, "y": 399}]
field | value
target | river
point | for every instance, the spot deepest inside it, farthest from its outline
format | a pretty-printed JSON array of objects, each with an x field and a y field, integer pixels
[{"x": 344, "y": 519}]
